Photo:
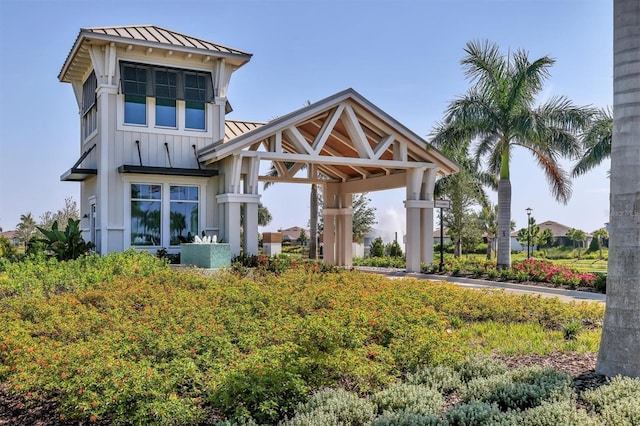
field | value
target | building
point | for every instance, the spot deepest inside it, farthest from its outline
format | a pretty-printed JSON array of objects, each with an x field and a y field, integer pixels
[
  {"x": 559, "y": 232},
  {"x": 159, "y": 162}
]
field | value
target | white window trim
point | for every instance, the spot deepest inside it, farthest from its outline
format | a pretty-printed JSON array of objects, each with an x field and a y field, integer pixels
[
  {"x": 166, "y": 183},
  {"x": 150, "y": 127}
]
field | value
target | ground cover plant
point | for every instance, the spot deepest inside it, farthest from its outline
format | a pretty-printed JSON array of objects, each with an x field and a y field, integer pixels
[{"x": 124, "y": 339}]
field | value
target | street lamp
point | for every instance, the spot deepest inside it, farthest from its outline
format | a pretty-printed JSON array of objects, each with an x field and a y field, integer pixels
[{"x": 529, "y": 210}]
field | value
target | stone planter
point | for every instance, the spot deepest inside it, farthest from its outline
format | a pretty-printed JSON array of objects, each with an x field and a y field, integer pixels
[{"x": 207, "y": 256}]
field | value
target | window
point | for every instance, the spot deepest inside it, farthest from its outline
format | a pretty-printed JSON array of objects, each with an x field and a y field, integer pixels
[
  {"x": 177, "y": 92},
  {"x": 146, "y": 207},
  {"x": 89, "y": 108},
  {"x": 165, "y": 90},
  {"x": 134, "y": 82},
  {"x": 183, "y": 214},
  {"x": 164, "y": 215}
]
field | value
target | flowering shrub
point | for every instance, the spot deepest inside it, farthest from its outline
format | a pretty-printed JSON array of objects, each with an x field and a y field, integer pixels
[
  {"x": 125, "y": 339},
  {"x": 526, "y": 270}
]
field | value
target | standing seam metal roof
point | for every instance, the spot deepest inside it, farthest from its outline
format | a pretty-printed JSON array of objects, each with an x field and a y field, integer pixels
[{"x": 161, "y": 35}]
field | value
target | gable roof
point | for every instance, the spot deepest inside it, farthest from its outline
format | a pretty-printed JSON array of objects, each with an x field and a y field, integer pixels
[
  {"x": 347, "y": 136},
  {"x": 557, "y": 229},
  {"x": 150, "y": 36}
]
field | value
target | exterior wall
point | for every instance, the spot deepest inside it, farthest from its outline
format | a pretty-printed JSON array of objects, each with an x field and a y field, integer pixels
[{"x": 116, "y": 146}]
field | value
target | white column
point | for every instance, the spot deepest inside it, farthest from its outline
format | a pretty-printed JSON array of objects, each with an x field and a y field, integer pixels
[
  {"x": 426, "y": 217},
  {"x": 412, "y": 205},
  {"x": 345, "y": 229},
  {"x": 329, "y": 232},
  {"x": 250, "y": 235},
  {"x": 231, "y": 205}
]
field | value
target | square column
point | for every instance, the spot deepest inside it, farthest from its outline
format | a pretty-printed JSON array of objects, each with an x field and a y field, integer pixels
[
  {"x": 231, "y": 205},
  {"x": 344, "y": 220},
  {"x": 329, "y": 219},
  {"x": 250, "y": 226}
]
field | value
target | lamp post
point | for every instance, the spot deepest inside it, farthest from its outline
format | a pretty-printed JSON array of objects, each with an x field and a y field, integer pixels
[{"x": 529, "y": 209}]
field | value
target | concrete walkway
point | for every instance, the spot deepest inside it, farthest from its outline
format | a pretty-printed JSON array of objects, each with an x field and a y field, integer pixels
[{"x": 564, "y": 295}]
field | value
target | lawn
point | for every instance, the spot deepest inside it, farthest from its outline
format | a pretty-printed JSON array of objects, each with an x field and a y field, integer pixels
[{"x": 130, "y": 341}]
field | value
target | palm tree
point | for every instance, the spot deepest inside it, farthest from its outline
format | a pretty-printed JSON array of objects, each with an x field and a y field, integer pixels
[
  {"x": 26, "y": 228},
  {"x": 464, "y": 189},
  {"x": 488, "y": 218},
  {"x": 596, "y": 142},
  {"x": 601, "y": 234},
  {"x": 498, "y": 111},
  {"x": 620, "y": 343}
]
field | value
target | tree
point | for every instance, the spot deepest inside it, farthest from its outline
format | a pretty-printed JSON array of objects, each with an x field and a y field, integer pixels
[
  {"x": 544, "y": 239},
  {"x": 465, "y": 190},
  {"x": 529, "y": 234},
  {"x": 498, "y": 111},
  {"x": 377, "y": 248},
  {"x": 302, "y": 238},
  {"x": 488, "y": 218},
  {"x": 578, "y": 236},
  {"x": 596, "y": 142},
  {"x": 600, "y": 235},
  {"x": 26, "y": 228},
  {"x": 264, "y": 216},
  {"x": 620, "y": 343},
  {"x": 364, "y": 217},
  {"x": 393, "y": 249},
  {"x": 62, "y": 216}
]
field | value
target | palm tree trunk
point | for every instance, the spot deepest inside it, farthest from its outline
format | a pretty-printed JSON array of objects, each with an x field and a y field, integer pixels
[
  {"x": 489, "y": 244},
  {"x": 504, "y": 224},
  {"x": 313, "y": 222},
  {"x": 620, "y": 344}
]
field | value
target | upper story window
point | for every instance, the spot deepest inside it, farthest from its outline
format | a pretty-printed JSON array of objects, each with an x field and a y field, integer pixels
[
  {"x": 89, "y": 108},
  {"x": 177, "y": 97},
  {"x": 165, "y": 88},
  {"x": 134, "y": 86}
]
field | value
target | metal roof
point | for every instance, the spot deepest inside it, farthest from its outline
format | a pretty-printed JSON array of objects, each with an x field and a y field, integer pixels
[
  {"x": 235, "y": 128},
  {"x": 148, "y": 36},
  {"x": 155, "y": 34}
]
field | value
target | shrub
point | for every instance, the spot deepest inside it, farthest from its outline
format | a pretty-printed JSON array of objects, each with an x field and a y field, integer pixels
[
  {"x": 67, "y": 245},
  {"x": 340, "y": 406},
  {"x": 479, "y": 414},
  {"x": 480, "y": 366},
  {"x": 407, "y": 418},
  {"x": 418, "y": 399},
  {"x": 529, "y": 387},
  {"x": 441, "y": 377},
  {"x": 617, "y": 402},
  {"x": 557, "y": 413}
]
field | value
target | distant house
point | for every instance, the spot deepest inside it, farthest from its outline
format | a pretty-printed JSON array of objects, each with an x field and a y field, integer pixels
[
  {"x": 445, "y": 238},
  {"x": 559, "y": 232},
  {"x": 291, "y": 235},
  {"x": 13, "y": 237}
]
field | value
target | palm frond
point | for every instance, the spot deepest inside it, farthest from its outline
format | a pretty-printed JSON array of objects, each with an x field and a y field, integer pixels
[
  {"x": 596, "y": 142},
  {"x": 484, "y": 65}
]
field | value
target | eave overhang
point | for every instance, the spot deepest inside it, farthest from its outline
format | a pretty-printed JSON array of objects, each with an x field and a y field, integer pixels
[
  {"x": 167, "y": 171},
  {"x": 75, "y": 174},
  {"x": 87, "y": 35}
]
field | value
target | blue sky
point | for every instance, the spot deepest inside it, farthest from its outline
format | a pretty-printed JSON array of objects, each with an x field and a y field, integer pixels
[{"x": 402, "y": 55}]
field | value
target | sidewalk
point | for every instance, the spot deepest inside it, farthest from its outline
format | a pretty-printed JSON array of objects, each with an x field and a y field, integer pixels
[{"x": 564, "y": 295}]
